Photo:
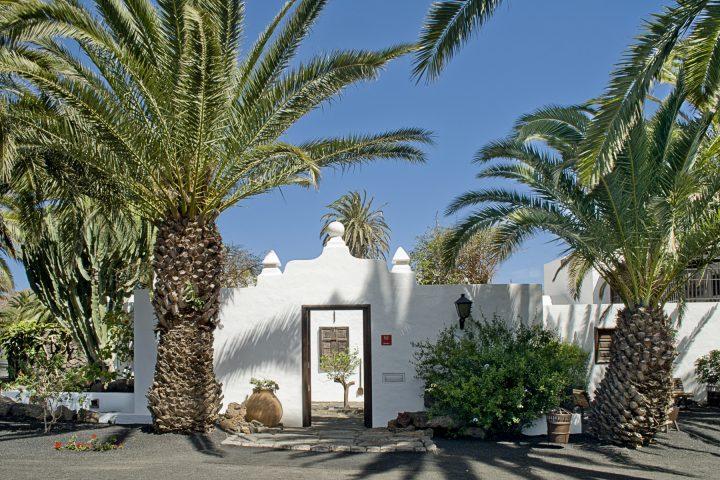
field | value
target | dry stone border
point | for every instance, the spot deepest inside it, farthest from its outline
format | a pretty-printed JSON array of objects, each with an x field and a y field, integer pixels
[
  {"x": 10, "y": 409},
  {"x": 376, "y": 440}
]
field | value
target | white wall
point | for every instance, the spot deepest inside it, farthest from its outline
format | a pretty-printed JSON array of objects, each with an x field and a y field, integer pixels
[
  {"x": 260, "y": 327},
  {"x": 323, "y": 389},
  {"x": 555, "y": 286},
  {"x": 697, "y": 333}
]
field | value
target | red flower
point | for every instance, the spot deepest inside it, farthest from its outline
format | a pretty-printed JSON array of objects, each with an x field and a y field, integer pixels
[
  {"x": 93, "y": 436},
  {"x": 58, "y": 445}
]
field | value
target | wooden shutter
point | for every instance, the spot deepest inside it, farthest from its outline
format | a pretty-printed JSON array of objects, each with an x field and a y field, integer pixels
[
  {"x": 333, "y": 340},
  {"x": 603, "y": 339}
]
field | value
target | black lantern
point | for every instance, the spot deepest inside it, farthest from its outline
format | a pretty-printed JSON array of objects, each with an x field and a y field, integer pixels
[{"x": 463, "y": 305}]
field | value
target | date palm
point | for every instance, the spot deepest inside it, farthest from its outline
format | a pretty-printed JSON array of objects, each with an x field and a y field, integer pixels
[
  {"x": 648, "y": 219},
  {"x": 686, "y": 33},
  {"x": 449, "y": 24},
  {"x": 155, "y": 96},
  {"x": 366, "y": 233},
  {"x": 7, "y": 248}
]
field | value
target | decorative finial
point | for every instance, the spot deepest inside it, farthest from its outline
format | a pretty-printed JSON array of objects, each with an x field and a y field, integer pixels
[
  {"x": 335, "y": 230},
  {"x": 401, "y": 261},
  {"x": 271, "y": 264}
]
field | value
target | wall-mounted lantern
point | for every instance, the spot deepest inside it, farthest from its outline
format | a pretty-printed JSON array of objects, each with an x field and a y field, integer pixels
[{"x": 463, "y": 305}]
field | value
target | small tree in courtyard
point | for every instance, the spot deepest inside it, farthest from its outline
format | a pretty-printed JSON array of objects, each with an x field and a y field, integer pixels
[{"x": 339, "y": 367}]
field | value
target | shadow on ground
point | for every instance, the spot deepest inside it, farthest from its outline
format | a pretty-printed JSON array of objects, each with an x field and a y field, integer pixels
[{"x": 693, "y": 452}]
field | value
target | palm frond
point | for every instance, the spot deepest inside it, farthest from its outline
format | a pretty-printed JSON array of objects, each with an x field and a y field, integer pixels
[{"x": 449, "y": 24}]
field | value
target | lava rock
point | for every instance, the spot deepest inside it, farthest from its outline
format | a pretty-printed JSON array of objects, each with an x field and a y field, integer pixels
[
  {"x": 87, "y": 416},
  {"x": 403, "y": 419},
  {"x": 474, "y": 432},
  {"x": 443, "y": 422},
  {"x": 6, "y": 405},
  {"x": 64, "y": 414}
]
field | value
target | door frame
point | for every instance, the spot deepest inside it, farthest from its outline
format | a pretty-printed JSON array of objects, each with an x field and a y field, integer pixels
[{"x": 306, "y": 360}]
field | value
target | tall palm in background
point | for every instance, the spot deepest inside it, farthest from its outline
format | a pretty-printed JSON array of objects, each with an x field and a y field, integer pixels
[
  {"x": 366, "y": 233},
  {"x": 7, "y": 152},
  {"x": 449, "y": 24},
  {"x": 7, "y": 248},
  {"x": 648, "y": 219},
  {"x": 155, "y": 97}
]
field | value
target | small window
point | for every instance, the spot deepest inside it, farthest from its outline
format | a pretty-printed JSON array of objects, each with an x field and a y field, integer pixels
[
  {"x": 333, "y": 340},
  {"x": 603, "y": 339}
]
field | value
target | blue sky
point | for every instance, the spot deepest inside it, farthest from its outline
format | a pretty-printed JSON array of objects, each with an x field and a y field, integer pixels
[{"x": 532, "y": 53}]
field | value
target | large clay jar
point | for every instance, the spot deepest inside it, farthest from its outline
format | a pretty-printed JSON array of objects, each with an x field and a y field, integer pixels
[{"x": 264, "y": 407}]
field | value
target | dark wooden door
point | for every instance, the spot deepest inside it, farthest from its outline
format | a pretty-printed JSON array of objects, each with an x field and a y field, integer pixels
[{"x": 367, "y": 359}]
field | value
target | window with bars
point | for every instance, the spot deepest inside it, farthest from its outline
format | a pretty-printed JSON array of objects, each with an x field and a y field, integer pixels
[
  {"x": 333, "y": 340},
  {"x": 603, "y": 339}
]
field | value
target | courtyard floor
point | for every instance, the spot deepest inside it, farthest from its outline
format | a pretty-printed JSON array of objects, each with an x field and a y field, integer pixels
[
  {"x": 692, "y": 453},
  {"x": 335, "y": 430}
]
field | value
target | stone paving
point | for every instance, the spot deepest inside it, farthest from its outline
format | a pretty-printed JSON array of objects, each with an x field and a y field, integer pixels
[{"x": 333, "y": 435}]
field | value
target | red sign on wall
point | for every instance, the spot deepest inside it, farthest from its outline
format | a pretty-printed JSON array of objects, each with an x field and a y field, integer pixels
[{"x": 385, "y": 339}]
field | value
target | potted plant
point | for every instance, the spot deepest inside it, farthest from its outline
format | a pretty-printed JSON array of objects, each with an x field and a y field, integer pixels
[
  {"x": 263, "y": 405},
  {"x": 707, "y": 369},
  {"x": 558, "y": 425}
]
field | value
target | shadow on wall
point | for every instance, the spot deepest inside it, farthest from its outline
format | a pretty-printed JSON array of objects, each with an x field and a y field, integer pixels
[
  {"x": 266, "y": 346},
  {"x": 683, "y": 348},
  {"x": 576, "y": 323}
]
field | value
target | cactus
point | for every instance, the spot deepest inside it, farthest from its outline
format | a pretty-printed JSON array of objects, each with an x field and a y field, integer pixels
[{"x": 83, "y": 264}]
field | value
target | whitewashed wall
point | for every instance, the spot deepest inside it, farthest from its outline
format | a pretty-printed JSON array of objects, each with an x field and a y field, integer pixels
[
  {"x": 698, "y": 331},
  {"x": 323, "y": 389},
  {"x": 260, "y": 331}
]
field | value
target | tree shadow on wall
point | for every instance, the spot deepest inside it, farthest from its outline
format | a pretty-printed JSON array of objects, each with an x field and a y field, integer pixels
[{"x": 275, "y": 343}]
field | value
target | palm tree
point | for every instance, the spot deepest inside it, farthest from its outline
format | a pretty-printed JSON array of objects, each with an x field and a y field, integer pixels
[
  {"x": 7, "y": 250},
  {"x": 448, "y": 25},
  {"x": 155, "y": 97},
  {"x": 641, "y": 226},
  {"x": 83, "y": 257},
  {"x": 366, "y": 233},
  {"x": 684, "y": 34}
]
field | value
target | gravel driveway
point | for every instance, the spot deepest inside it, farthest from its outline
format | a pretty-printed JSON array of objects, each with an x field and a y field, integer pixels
[{"x": 27, "y": 454}]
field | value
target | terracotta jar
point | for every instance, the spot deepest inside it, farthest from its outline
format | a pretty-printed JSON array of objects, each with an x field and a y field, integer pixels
[{"x": 264, "y": 407}]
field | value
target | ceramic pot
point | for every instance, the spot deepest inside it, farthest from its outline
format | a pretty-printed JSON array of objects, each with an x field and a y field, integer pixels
[{"x": 264, "y": 407}]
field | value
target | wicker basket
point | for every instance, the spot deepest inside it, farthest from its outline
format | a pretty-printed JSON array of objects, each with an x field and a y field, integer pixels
[{"x": 558, "y": 426}]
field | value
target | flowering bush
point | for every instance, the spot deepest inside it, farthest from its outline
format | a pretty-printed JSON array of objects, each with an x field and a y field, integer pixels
[
  {"x": 707, "y": 368},
  {"x": 92, "y": 445},
  {"x": 496, "y": 377}
]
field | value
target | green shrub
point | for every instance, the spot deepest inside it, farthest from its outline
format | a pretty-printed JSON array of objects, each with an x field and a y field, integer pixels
[
  {"x": 497, "y": 377},
  {"x": 28, "y": 329},
  {"x": 707, "y": 368}
]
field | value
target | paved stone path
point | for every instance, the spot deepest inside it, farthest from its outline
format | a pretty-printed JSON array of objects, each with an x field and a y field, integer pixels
[{"x": 331, "y": 435}]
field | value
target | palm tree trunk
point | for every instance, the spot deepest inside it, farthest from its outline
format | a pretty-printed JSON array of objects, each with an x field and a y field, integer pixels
[
  {"x": 633, "y": 399},
  {"x": 185, "y": 395}
]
